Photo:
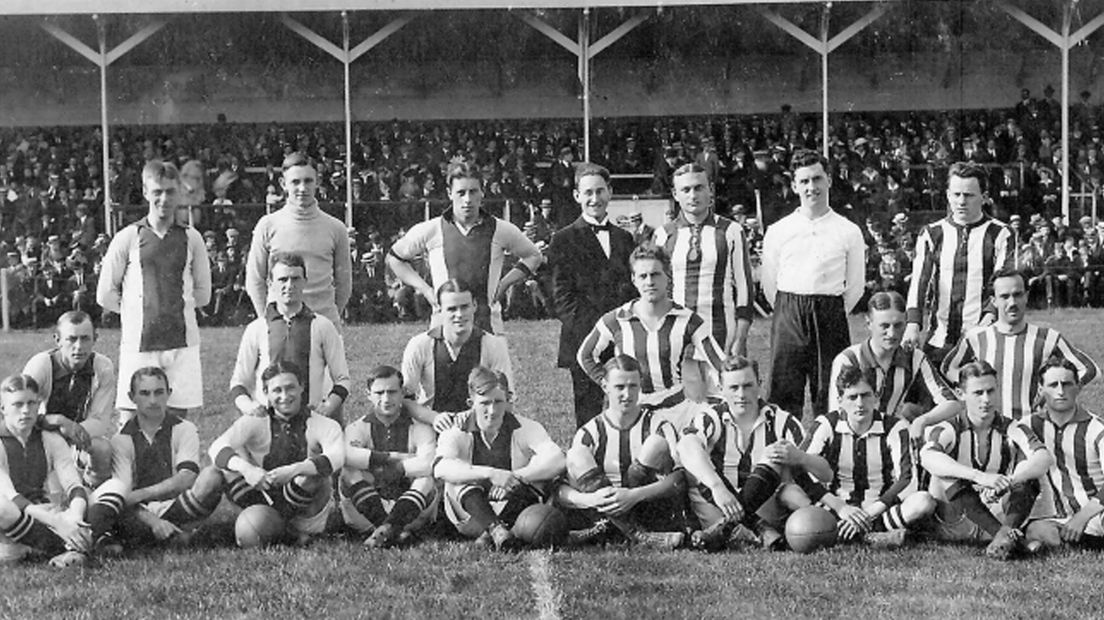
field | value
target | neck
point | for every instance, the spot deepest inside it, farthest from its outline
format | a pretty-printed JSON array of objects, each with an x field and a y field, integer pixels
[
  {"x": 696, "y": 218},
  {"x": 458, "y": 338},
  {"x": 653, "y": 308},
  {"x": 982, "y": 424},
  {"x": 289, "y": 309},
  {"x": 385, "y": 418},
  {"x": 158, "y": 224},
  {"x": 21, "y": 435},
  {"x": 623, "y": 419},
  {"x": 880, "y": 353},
  {"x": 1005, "y": 327},
  {"x": 1061, "y": 418},
  {"x": 814, "y": 210},
  {"x": 859, "y": 427},
  {"x": 149, "y": 423}
]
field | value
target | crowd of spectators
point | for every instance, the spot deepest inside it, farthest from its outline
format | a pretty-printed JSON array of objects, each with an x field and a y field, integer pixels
[{"x": 886, "y": 169}]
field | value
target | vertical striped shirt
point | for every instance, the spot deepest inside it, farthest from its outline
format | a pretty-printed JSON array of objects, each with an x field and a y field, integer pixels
[
  {"x": 1077, "y": 475},
  {"x": 875, "y": 465},
  {"x": 613, "y": 448},
  {"x": 1008, "y": 443},
  {"x": 734, "y": 454},
  {"x": 1017, "y": 358},
  {"x": 142, "y": 461},
  {"x": 952, "y": 269},
  {"x": 660, "y": 352},
  {"x": 711, "y": 273},
  {"x": 909, "y": 378}
]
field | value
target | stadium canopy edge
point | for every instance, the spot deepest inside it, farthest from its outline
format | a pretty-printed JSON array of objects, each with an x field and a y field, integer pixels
[{"x": 147, "y": 7}]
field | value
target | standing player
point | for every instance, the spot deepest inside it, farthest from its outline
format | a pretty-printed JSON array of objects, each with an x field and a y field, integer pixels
[
  {"x": 494, "y": 465},
  {"x": 290, "y": 330},
  {"x": 1071, "y": 504},
  {"x": 955, "y": 259},
  {"x": 468, "y": 245},
  {"x": 868, "y": 453},
  {"x": 590, "y": 276},
  {"x": 76, "y": 386},
  {"x": 155, "y": 274},
  {"x": 621, "y": 469},
  {"x": 388, "y": 481},
  {"x": 742, "y": 454},
  {"x": 813, "y": 272},
  {"x": 29, "y": 456},
  {"x": 284, "y": 459},
  {"x": 301, "y": 227},
  {"x": 158, "y": 487},
  {"x": 709, "y": 260},
  {"x": 656, "y": 332},
  {"x": 1016, "y": 348},
  {"x": 981, "y": 450}
]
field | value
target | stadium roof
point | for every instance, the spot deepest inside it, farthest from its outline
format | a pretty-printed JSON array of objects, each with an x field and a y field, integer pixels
[{"x": 83, "y": 7}]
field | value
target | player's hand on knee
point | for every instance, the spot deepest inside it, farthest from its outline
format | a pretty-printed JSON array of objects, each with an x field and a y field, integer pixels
[
  {"x": 854, "y": 518},
  {"x": 623, "y": 500},
  {"x": 163, "y": 529},
  {"x": 783, "y": 453},
  {"x": 74, "y": 531},
  {"x": 727, "y": 502},
  {"x": 256, "y": 478},
  {"x": 1072, "y": 530},
  {"x": 281, "y": 475}
]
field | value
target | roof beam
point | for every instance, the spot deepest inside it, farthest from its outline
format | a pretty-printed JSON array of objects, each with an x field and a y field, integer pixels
[
  {"x": 380, "y": 36},
  {"x": 550, "y": 31},
  {"x": 856, "y": 27},
  {"x": 318, "y": 40},
  {"x": 136, "y": 39},
  {"x": 1033, "y": 24},
  {"x": 794, "y": 30},
  {"x": 73, "y": 43},
  {"x": 616, "y": 34}
]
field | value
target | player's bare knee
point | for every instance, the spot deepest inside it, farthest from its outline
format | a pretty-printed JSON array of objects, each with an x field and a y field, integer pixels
[
  {"x": 792, "y": 497},
  {"x": 425, "y": 485},
  {"x": 918, "y": 506},
  {"x": 579, "y": 461},
  {"x": 909, "y": 411},
  {"x": 209, "y": 481},
  {"x": 656, "y": 453},
  {"x": 9, "y": 512},
  {"x": 1044, "y": 531}
]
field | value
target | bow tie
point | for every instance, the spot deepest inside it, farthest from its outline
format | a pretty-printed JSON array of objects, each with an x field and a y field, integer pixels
[{"x": 597, "y": 228}]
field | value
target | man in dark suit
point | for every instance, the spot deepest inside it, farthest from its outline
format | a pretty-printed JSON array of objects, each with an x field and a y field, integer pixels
[{"x": 590, "y": 276}]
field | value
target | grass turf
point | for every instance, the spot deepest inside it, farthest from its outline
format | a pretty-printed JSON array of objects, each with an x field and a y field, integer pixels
[{"x": 451, "y": 579}]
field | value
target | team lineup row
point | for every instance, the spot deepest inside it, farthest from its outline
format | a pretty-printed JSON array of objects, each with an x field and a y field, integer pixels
[{"x": 662, "y": 440}]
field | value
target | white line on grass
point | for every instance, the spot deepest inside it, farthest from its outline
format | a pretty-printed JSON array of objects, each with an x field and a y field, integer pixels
[{"x": 548, "y": 597}]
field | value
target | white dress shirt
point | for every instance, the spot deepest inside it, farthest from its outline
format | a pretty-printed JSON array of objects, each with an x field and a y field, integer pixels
[
  {"x": 603, "y": 235},
  {"x": 814, "y": 256}
]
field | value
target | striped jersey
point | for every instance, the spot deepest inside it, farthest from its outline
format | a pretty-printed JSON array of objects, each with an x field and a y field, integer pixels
[
  {"x": 711, "y": 273},
  {"x": 26, "y": 468},
  {"x": 909, "y": 378},
  {"x": 1077, "y": 475},
  {"x": 660, "y": 351},
  {"x": 83, "y": 393},
  {"x": 875, "y": 465},
  {"x": 734, "y": 454},
  {"x": 1008, "y": 443},
  {"x": 1017, "y": 358},
  {"x": 519, "y": 439},
  {"x": 951, "y": 271},
  {"x": 141, "y": 461},
  {"x": 370, "y": 434},
  {"x": 271, "y": 442},
  {"x": 436, "y": 374},
  {"x": 614, "y": 448}
]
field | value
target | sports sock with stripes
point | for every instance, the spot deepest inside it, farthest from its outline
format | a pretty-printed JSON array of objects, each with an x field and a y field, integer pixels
[{"x": 963, "y": 496}]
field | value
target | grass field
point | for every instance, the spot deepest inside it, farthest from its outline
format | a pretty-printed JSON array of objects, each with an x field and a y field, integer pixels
[{"x": 450, "y": 579}]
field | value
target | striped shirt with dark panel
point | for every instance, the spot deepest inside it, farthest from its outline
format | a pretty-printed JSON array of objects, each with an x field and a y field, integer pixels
[
  {"x": 1017, "y": 358},
  {"x": 1077, "y": 475},
  {"x": 615, "y": 448},
  {"x": 953, "y": 266},
  {"x": 26, "y": 468},
  {"x": 910, "y": 377},
  {"x": 1008, "y": 443},
  {"x": 713, "y": 279},
  {"x": 733, "y": 454},
  {"x": 660, "y": 352},
  {"x": 151, "y": 460},
  {"x": 873, "y": 466}
]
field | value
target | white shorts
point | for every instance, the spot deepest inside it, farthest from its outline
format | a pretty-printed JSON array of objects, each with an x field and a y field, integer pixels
[
  {"x": 460, "y": 517},
  {"x": 1095, "y": 526},
  {"x": 182, "y": 366}
]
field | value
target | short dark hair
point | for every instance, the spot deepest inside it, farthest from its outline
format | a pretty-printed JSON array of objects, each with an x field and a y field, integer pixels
[
  {"x": 289, "y": 259},
  {"x": 591, "y": 170},
  {"x": 974, "y": 370},
  {"x": 690, "y": 168},
  {"x": 148, "y": 371},
  {"x": 383, "y": 372},
  {"x": 282, "y": 367},
  {"x": 75, "y": 317},
  {"x": 854, "y": 375},
  {"x": 803, "y": 158},
  {"x": 453, "y": 285},
  {"x": 293, "y": 160},
  {"x": 482, "y": 380},
  {"x": 626, "y": 363},
  {"x": 1058, "y": 361},
  {"x": 885, "y": 300},
  {"x": 1007, "y": 272},
  {"x": 18, "y": 383},
  {"x": 970, "y": 170},
  {"x": 651, "y": 251},
  {"x": 156, "y": 169},
  {"x": 463, "y": 170},
  {"x": 738, "y": 362}
]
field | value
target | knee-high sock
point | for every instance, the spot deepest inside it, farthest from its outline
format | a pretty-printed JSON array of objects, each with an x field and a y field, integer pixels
[
  {"x": 367, "y": 502},
  {"x": 759, "y": 487},
  {"x": 966, "y": 498},
  {"x": 1021, "y": 499},
  {"x": 474, "y": 501},
  {"x": 407, "y": 508}
]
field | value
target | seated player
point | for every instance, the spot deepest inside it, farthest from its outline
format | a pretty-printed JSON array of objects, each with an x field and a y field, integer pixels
[
  {"x": 77, "y": 392},
  {"x": 868, "y": 453},
  {"x": 29, "y": 520},
  {"x": 284, "y": 459},
  {"x": 158, "y": 489},
  {"x": 436, "y": 364},
  {"x": 387, "y": 483},
  {"x": 291, "y": 331},
  {"x": 1070, "y": 503},
  {"x": 495, "y": 464},
  {"x": 981, "y": 450},
  {"x": 621, "y": 469},
  {"x": 741, "y": 455}
]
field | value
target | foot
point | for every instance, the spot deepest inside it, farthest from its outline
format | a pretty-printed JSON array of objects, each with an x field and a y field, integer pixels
[
  {"x": 893, "y": 539},
  {"x": 107, "y": 546},
  {"x": 69, "y": 559},
  {"x": 595, "y": 532},
  {"x": 712, "y": 538},
  {"x": 1004, "y": 543},
  {"x": 1034, "y": 547},
  {"x": 771, "y": 538},
  {"x": 502, "y": 538},
  {"x": 381, "y": 538},
  {"x": 741, "y": 536},
  {"x": 663, "y": 541}
]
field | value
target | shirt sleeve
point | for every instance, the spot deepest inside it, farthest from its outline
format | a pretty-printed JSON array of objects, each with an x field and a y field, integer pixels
[
  {"x": 706, "y": 348},
  {"x": 898, "y": 441},
  {"x": 59, "y": 456},
  {"x": 185, "y": 447},
  {"x": 7, "y": 488},
  {"x": 839, "y": 364},
  {"x": 342, "y": 270},
  {"x": 818, "y": 441},
  {"x": 1087, "y": 368},
  {"x": 597, "y": 343},
  {"x": 201, "y": 269},
  {"x": 357, "y": 457},
  {"x": 941, "y": 438},
  {"x": 243, "y": 379},
  {"x": 933, "y": 381},
  {"x": 450, "y": 445},
  {"x": 231, "y": 443},
  {"x": 414, "y": 243},
  {"x": 413, "y": 361},
  {"x": 122, "y": 459},
  {"x": 40, "y": 369},
  {"x": 256, "y": 266},
  {"x": 856, "y": 268},
  {"x": 109, "y": 288},
  {"x": 101, "y": 407},
  {"x": 1024, "y": 440},
  {"x": 328, "y": 449},
  {"x": 923, "y": 268},
  {"x": 768, "y": 266},
  {"x": 960, "y": 355},
  {"x": 740, "y": 268},
  {"x": 518, "y": 245},
  {"x": 333, "y": 351}
]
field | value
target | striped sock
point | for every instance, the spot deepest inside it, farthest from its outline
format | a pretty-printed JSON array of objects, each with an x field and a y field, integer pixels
[
  {"x": 407, "y": 508},
  {"x": 367, "y": 502}
]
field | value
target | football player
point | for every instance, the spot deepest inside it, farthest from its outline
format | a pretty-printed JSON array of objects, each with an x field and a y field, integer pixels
[{"x": 387, "y": 482}]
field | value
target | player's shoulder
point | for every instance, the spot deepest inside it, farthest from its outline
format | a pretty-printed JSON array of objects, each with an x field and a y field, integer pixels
[
  {"x": 40, "y": 366},
  {"x": 320, "y": 422},
  {"x": 528, "y": 425}
]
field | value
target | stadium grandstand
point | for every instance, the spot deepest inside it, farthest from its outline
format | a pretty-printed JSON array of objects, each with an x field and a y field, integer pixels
[{"x": 913, "y": 86}]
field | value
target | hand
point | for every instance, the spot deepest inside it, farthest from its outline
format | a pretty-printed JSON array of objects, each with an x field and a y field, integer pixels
[
  {"x": 853, "y": 522},
  {"x": 727, "y": 502},
  {"x": 444, "y": 421},
  {"x": 431, "y": 296},
  {"x": 256, "y": 478},
  {"x": 504, "y": 479},
  {"x": 783, "y": 452},
  {"x": 916, "y": 433},
  {"x": 739, "y": 347},
  {"x": 619, "y": 502},
  {"x": 997, "y": 483},
  {"x": 911, "y": 339},
  {"x": 282, "y": 475},
  {"x": 76, "y": 434},
  {"x": 1071, "y": 531},
  {"x": 162, "y": 529},
  {"x": 74, "y": 531}
]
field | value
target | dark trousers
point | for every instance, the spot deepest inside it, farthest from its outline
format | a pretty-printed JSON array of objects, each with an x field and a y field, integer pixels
[
  {"x": 589, "y": 396},
  {"x": 807, "y": 333}
]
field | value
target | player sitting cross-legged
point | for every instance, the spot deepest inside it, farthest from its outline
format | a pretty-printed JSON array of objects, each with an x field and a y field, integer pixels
[
  {"x": 621, "y": 470},
  {"x": 29, "y": 520},
  {"x": 495, "y": 464},
  {"x": 868, "y": 453},
  {"x": 286, "y": 458},
  {"x": 157, "y": 489},
  {"x": 981, "y": 450},
  {"x": 387, "y": 482},
  {"x": 742, "y": 455}
]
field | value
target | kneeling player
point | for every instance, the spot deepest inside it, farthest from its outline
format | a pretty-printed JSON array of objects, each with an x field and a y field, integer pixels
[
  {"x": 29, "y": 522},
  {"x": 740, "y": 455},
  {"x": 495, "y": 465},
  {"x": 981, "y": 449},
  {"x": 286, "y": 458},
  {"x": 1075, "y": 436},
  {"x": 387, "y": 482},
  {"x": 621, "y": 470},
  {"x": 868, "y": 453},
  {"x": 158, "y": 488}
]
